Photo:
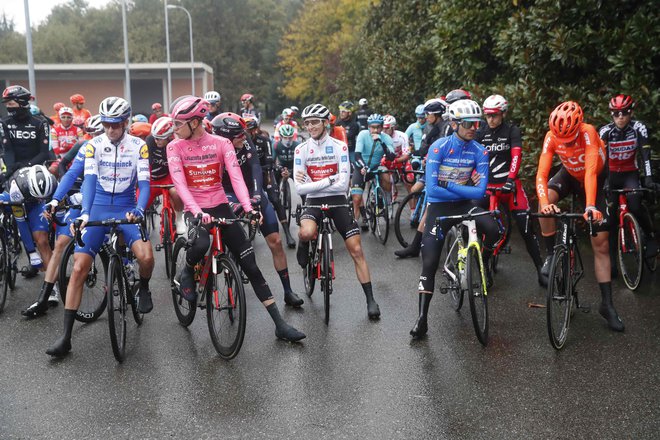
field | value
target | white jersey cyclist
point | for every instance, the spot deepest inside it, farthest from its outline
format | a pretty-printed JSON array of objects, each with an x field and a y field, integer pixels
[
  {"x": 400, "y": 142},
  {"x": 325, "y": 165}
]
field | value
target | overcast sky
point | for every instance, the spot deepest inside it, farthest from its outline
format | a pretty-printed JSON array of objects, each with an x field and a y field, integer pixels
[{"x": 39, "y": 10}]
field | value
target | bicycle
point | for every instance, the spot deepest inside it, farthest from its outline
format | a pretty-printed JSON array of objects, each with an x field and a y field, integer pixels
[
  {"x": 219, "y": 290},
  {"x": 376, "y": 206},
  {"x": 320, "y": 258},
  {"x": 409, "y": 214},
  {"x": 630, "y": 244},
  {"x": 504, "y": 221},
  {"x": 122, "y": 278},
  {"x": 285, "y": 195},
  {"x": 10, "y": 251},
  {"x": 566, "y": 270},
  {"x": 464, "y": 270},
  {"x": 167, "y": 227}
]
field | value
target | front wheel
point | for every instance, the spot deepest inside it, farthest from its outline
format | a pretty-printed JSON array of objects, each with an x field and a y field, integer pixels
[
  {"x": 4, "y": 270},
  {"x": 326, "y": 275},
  {"x": 309, "y": 272},
  {"x": 407, "y": 218},
  {"x": 382, "y": 218},
  {"x": 559, "y": 299},
  {"x": 285, "y": 198},
  {"x": 630, "y": 251},
  {"x": 166, "y": 239},
  {"x": 116, "y": 294},
  {"x": 451, "y": 260},
  {"x": 226, "y": 308},
  {"x": 476, "y": 290},
  {"x": 185, "y": 310}
]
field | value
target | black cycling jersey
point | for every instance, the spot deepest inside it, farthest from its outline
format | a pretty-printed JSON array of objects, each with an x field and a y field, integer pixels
[
  {"x": 25, "y": 141},
  {"x": 361, "y": 116},
  {"x": 499, "y": 141},
  {"x": 157, "y": 159},
  {"x": 352, "y": 129},
  {"x": 623, "y": 145},
  {"x": 264, "y": 151},
  {"x": 433, "y": 132},
  {"x": 252, "y": 175},
  {"x": 284, "y": 153}
]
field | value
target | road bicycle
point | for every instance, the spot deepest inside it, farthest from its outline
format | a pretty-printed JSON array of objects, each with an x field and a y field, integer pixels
[
  {"x": 122, "y": 281},
  {"x": 409, "y": 214},
  {"x": 285, "y": 194},
  {"x": 167, "y": 227},
  {"x": 463, "y": 269},
  {"x": 504, "y": 222},
  {"x": 219, "y": 290},
  {"x": 377, "y": 206},
  {"x": 10, "y": 250}
]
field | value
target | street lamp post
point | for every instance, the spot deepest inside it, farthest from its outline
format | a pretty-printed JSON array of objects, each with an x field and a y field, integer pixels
[
  {"x": 127, "y": 80},
  {"x": 169, "y": 68},
  {"x": 30, "y": 57},
  {"x": 192, "y": 58}
]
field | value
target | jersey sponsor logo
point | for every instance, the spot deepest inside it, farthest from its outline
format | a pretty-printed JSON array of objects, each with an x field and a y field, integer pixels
[
  {"x": 144, "y": 151},
  {"x": 107, "y": 149},
  {"x": 435, "y": 150},
  {"x": 23, "y": 134},
  {"x": 345, "y": 148},
  {"x": 344, "y": 159},
  {"x": 201, "y": 176},
  {"x": 298, "y": 161},
  {"x": 89, "y": 151},
  {"x": 328, "y": 150},
  {"x": 498, "y": 147},
  {"x": 311, "y": 151},
  {"x": 118, "y": 164},
  {"x": 317, "y": 173}
]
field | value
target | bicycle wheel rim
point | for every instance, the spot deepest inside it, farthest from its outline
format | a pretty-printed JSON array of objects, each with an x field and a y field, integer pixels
[
  {"x": 630, "y": 251},
  {"x": 116, "y": 309},
  {"x": 326, "y": 276},
  {"x": 451, "y": 252},
  {"x": 559, "y": 298},
  {"x": 4, "y": 275},
  {"x": 226, "y": 308},
  {"x": 167, "y": 242},
  {"x": 477, "y": 294},
  {"x": 183, "y": 309},
  {"x": 406, "y": 219},
  {"x": 94, "y": 299}
]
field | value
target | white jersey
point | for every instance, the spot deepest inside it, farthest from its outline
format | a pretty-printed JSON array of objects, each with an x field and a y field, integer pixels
[
  {"x": 401, "y": 143},
  {"x": 319, "y": 160}
]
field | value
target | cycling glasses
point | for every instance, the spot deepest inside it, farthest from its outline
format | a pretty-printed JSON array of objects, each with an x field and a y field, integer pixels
[
  {"x": 470, "y": 124},
  {"x": 312, "y": 122},
  {"x": 375, "y": 127},
  {"x": 113, "y": 125},
  {"x": 622, "y": 113}
]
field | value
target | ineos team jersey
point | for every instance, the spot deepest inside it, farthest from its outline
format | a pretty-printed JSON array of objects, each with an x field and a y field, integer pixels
[
  {"x": 318, "y": 160},
  {"x": 25, "y": 142}
]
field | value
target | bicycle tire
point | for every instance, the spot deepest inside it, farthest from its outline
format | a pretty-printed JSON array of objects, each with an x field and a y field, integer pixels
[
  {"x": 406, "y": 220},
  {"x": 94, "y": 298},
  {"x": 477, "y": 294},
  {"x": 183, "y": 309},
  {"x": 138, "y": 316},
  {"x": 369, "y": 210},
  {"x": 326, "y": 275},
  {"x": 116, "y": 294},
  {"x": 226, "y": 308},
  {"x": 285, "y": 198},
  {"x": 309, "y": 272},
  {"x": 454, "y": 287},
  {"x": 505, "y": 218},
  {"x": 631, "y": 260},
  {"x": 15, "y": 249},
  {"x": 381, "y": 218},
  {"x": 4, "y": 269},
  {"x": 559, "y": 297},
  {"x": 166, "y": 240}
]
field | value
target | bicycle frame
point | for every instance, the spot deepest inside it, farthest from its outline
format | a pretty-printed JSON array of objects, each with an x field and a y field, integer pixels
[
  {"x": 325, "y": 229},
  {"x": 473, "y": 242},
  {"x": 495, "y": 194}
]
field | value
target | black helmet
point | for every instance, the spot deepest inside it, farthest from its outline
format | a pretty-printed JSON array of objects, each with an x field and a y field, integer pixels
[
  {"x": 19, "y": 94},
  {"x": 227, "y": 127},
  {"x": 434, "y": 106},
  {"x": 457, "y": 95}
]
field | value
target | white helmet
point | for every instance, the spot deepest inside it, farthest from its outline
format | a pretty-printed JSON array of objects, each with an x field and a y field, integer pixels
[
  {"x": 495, "y": 104},
  {"x": 315, "y": 111},
  {"x": 465, "y": 110},
  {"x": 114, "y": 109},
  {"x": 41, "y": 182},
  {"x": 93, "y": 125},
  {"x": 162, "y": 128},
  {"x": 389, "y": 121},
  {"x": 363, "y": 101},
  {"x": 212, "y": 97}
]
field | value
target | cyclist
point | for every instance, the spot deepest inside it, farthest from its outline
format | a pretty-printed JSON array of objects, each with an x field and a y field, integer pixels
[
  {"x": 363, "y": 113},
  {"x": 416, "y": 129},
  {"x": 115, "y": 163},
  {"x": 68, "y": 188},
  {"x": 624, "y": 137},
  {"x": 351, "y": 126},
  {"x": 283, "y": 152},
  {"x": 449, "y": 165},
  {"x": 583, "y": 156},
  {"x": 224, "y": 126},
  {"x": 336, "y": 131},
  {"x": 248, "y": 109},
  {"x": 56, "y": 108},
  {"x": 80, "y": 113},
  {"x": 437, "y": 126},
  {"x": 401, "y": 145},
  {"x": 64, "y": 135},
  {"x": 215, "y": 100},
  {"x": 197, "y": 160},
  {"x": 322, "y": 170},
  {"x": 503, "y": 141},
  {"x": 156, "y": 112},
  {"x": 287, "y": 119},
  {"x": 371, "y": 145}
]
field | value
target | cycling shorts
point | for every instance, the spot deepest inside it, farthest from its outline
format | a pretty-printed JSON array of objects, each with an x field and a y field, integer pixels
[
  {"x": 67, "y": 218},
  {"x": 93, "y": 236},
  {"x": 360, "y": 180},
  {"x": 341, "y": 217},
  {"x": 270, "y": 224}
]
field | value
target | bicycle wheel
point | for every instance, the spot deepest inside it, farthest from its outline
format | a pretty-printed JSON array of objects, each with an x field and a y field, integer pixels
[
  {"x": 15, "y": 249},
  {"x": 381, "y": 217},
  {"x": 309, "y": 272},
  {"x": 453, "y": 286},
  {"x": 167, "y": 240},
  {"x": 370, "y": 209},
  {"x": 226, "y": 308},
  {"x": 407, "y": 218},
  {"x": 326, "y": 275},
  {"x": 185, "y": 310},
  {"x": 4, "y": 270},
  {"x": 116, "y": 294},
  {"x": 285, "y": 197},
  {"x": 94, "y": 299},
  {"x": 559, "y": 298},
  {"x": 630, "y": 251},
  {"x": 476, "y": 290}
]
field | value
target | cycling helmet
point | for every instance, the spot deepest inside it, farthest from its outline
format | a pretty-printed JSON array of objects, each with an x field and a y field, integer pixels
[
  {"x": 236, "y": 117},
  {"x": 212, "y": 97},
  {"x": 465, "y": 110},
  {"x": 247, "y": 97},
  {"x": 156, "y": 106},
  {"x": 286, "y": 131},
  {"x": 140, "y": 129},
  {"x": 77, "y": 99},
  {"x": 162, "y": 128},
  {"x": 114, "y": 109},
  {"x": 389, "y": 121},
  {"x": 565, "y": 121},
  {"x": 34, "y": 110},
  {"x": 93, "y": 125},
  {"x": 456, "y": 95},
  {"x": 434, "y": 106},
  {"x": 251, "y": 122},
  {"x": 294, "y": 109},
  {"x": 363, "y": 102},
  {"x": 65, "y": 111},
  {"x": 41, "y": 182},
  {"x": 190, "y": 108},
  {"x": 375, "y": 118},
  {"x": 316, "y": 111},
  {"x": 332, "y": 119},
  {"x": 419, "y": 111},
  {"x": 346, "y": 106},
  {"x": 176, "y": 101},
  {"x": 622, "y": 102},
  {"x": 495, "y": 104},
  {"x": 207, "y": 125},
  {"x": 57, "y": 106},
  {"x": 20, "y": 94},
  {"x": 227, "y": 126},
  {"x": 287, "y": 113},
  {"x": 139, "y": 118}
]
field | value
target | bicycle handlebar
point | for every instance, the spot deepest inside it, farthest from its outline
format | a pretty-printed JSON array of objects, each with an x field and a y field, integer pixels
[
  {"x": 568, "y": 216},
  {"x": 494, "y": 190},
  {"x": 468, "y": 216},
  {"x": 630, "y": 190},
  {"x": 108, "y": 222}
]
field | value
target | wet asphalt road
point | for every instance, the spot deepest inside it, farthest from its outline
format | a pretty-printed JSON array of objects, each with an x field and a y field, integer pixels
[{"x": 351, "y": 379}]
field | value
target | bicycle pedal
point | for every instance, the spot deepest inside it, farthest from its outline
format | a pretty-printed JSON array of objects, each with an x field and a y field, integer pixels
[{"x": 159, "y": 247}]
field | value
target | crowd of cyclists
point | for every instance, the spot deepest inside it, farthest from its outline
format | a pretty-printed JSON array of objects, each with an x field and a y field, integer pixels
[{"x": 216, "y": 164}]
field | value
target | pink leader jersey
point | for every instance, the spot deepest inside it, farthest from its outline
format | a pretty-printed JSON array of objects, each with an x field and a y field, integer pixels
[{"x": 196, "y": 167}]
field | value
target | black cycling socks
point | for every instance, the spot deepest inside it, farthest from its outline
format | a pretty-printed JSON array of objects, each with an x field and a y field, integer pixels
[
  {"x": 40, "y": 307},
  {"x": 63, "y": 345},
  {"x": 144, "y": 282},
  {"x": 421, "y": 325},
  {"x": 290, "y": 298},
  {"x": 549, "y": 241},
  {"x": 284, "y": 278},
  {"x": 282, "y": 329},
  {"x": 607, "y": 310},
  {"x": 372, "y": 306}
]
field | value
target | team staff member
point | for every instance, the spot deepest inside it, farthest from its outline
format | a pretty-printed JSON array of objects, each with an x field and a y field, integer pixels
[{"x": 351, "y": 126}]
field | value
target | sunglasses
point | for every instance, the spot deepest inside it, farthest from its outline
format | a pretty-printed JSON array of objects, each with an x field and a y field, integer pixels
[
  {"x": 66, "y": 117},
  {"x": 178, "y": 123},
  {"x": 375, "y": 127},
  {"x": 621, "y": 114},
  {"x": 313, "y": 122},
  {"x": 470, "y": 124},
  {"x": 113, "y": 125}
]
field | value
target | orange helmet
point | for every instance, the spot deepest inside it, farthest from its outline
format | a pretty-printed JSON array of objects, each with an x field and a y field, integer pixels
[
  {"x": 333, "y": 119},
  {"x": 77, "y": 99},
  {"x": 140, "y": 129},
  {"x": 57, "y": 106},
  {"x": 565, "y": 121}
]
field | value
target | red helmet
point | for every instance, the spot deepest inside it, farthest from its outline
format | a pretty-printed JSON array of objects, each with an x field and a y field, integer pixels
[
  {"x": 190, "y": 108},
  {"x": 77, "y": 99},
  {"x": 622, "y": 102},
  {"x": 247, "y": 97},
  {"x": 565, "y": 121},
  {"x": 162, "y": 128},
  {"x": 156, "y": 106},
  {"x": 208, "y": 126}
]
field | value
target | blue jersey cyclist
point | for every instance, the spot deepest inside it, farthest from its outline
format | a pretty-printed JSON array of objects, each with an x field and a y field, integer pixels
[
  {"x": 450, "y": 163},
  {"x": 370, "y": 147},
  {"x": 115, "y": 164},
  {"x": 415, "y": 131}
]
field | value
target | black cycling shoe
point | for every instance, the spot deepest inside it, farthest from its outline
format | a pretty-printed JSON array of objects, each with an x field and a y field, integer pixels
[
  {"x": 60, "y": 349},
  {"x": 289, "y": 333},
  {"x": 545, "y": 269},
  {"x": 144, "y": 303},
  {"x": 420, "y": 328},
  {"x": 365, "y": 224},
  {"x": 302, "y": 254},
  {"x": 409, "y": 252},
  {"x": 290, "y": 242},
  {"x": 187, "y": 284},
  {"x": 608, "y": 312},
  {"x": 373, "y": 310},
  {"x": 292, "y": 299},
  {"x": 36, "y": 309},
  {"x": 29, "y": 272},
  {"x": 542, "y": 279}
]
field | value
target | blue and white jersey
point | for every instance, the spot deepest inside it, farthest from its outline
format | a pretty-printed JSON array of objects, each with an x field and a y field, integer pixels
[{"x": 72, "y": 174}]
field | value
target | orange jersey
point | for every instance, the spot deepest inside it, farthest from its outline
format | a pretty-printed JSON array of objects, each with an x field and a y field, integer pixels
[
  {"x": 339, "y": 132},
  {"x": 80, "y": 116},
  {"x": 584, "y": 160}
]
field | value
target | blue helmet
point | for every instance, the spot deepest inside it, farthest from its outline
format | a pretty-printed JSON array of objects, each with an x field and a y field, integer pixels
[
  {"x": 34, "y": 110},
  {"x": 375, "y": 118},
  {"x": 419, "y": 111}
]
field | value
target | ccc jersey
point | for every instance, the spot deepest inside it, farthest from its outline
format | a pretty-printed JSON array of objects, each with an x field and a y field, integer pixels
[
  {"x": 623, "y": 145},
  {"x": 501, "y": 143}
]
